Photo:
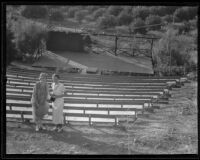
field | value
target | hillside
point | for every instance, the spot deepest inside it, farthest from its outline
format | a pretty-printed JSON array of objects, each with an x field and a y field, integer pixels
[{"x": 175, "y": 26}]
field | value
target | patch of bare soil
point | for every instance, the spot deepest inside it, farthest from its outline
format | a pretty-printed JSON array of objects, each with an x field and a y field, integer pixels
[{"x": 172, "y": 129}]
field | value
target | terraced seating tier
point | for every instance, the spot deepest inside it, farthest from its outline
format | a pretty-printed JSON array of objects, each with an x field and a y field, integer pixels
[{"x": 92, "y": 76}]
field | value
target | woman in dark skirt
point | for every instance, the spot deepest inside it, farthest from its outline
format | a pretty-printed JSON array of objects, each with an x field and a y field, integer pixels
[{"x": 39, "y": 100}]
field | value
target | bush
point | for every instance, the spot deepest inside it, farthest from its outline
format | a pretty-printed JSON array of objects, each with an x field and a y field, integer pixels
[
  {"x": 124, "y": 18},
  {"x": 140, "y": 12},
  {"x": 175, "y": 45},
  {"x": 135, "y": 26},
  {"x": 28, "y": 40},
  {"x": 186, "y": 13},
  {"x": 87, "y": 40},
  {"x": 79, "y": 15},
  {"x": 72, "y": 11},
  {"x": 123, "y": 29},
  {"x": 34, "y": 12},
  {"x": 107, "y": 21},
  {"x": 167, "y": 18},
  {"x": 98, "y": 13},
  {"x": 56, "y": 16},
  {"x": 114, "y": 10},
  {"x": 153, "y": 20},
  {"x": 184, "y": 28},
  {"x": 11, "y": 51}
]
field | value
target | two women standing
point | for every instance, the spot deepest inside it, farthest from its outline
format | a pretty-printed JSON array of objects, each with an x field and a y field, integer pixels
[{"x": 40, "y": 98}]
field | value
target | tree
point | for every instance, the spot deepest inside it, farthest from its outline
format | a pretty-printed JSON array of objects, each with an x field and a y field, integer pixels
[
  {"x": 114, "y": 10},
  {"x": 98, "y": 13},
  {"x": 11, "y": 51},
  {"x": 79, "y": 15},
  {"x": 172, "y": 49},
  {"x": 30, "y": 36},
  {"x": 72, "y": 11},
  {"x": 34, "y": 11},
  {"x": 186, "y": 13},
  {"x": 140, "y": 12},
  {"x": 107, "y": 21},
  {"x": 153, "y": 20},
  {"x": 124, "y": 18},
  {"x": 167, "y": 18},
  {"x": 138, "y": 26},
  {"x": 56, "y": 16}
]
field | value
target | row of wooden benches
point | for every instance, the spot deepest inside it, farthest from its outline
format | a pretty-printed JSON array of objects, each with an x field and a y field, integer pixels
[
  {"x": 137, "y": 94},
  {"x": 99, "y": 78},
  {"x": 19, "y": 70}
]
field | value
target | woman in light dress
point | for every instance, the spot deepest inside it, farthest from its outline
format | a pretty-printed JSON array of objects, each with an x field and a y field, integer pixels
[
  {"x": 57, "y": 106},
  {"x": 39, "y": 100}
]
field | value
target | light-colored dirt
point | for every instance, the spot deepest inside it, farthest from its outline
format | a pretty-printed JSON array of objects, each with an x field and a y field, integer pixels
[{"x": 172, "y": 129}]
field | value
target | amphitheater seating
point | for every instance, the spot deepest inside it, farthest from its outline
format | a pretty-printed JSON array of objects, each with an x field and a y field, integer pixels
[{"x": 90, "y": 98}]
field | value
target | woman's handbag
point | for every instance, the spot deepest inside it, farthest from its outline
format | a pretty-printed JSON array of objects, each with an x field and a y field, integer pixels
[{"x": 52, "y": 99}]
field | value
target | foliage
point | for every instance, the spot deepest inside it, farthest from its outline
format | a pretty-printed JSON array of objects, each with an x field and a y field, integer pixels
[
  {"x": 114, "y": 10},
  {"x": 79, "y": 15},
  {"x": 56, "y": 16},
  {"x": 186, "y": 13},
  {"x": 11, "y": 51},
  {"x": 140, "y": 12},
  {"x": 72, "y": 11},
  {"x": 34, "y": 11},
  {"x": 29, "y": 37},
  {"x": 173, "y": 50},
  {"x": 153, "y": 20},
  {"x": 107, "y": 21},
  {"x": 167, "y": 18},
  {"x": 124, "y": 18},
  {"x": 135, "y": 26},
  {"x": 98, "y": 13}
]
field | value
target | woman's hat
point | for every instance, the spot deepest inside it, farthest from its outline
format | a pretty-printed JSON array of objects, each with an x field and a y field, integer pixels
[{"x": 42, "y": 75}]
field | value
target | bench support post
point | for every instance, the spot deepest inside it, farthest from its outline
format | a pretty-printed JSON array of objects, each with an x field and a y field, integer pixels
[{"x": 22, "y": 116}]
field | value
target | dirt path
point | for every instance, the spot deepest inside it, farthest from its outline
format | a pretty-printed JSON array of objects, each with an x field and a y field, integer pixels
[{"x": 172, "y": 129}]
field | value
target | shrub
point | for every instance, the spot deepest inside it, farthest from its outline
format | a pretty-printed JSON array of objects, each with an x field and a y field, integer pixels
[
  {"x": 167, "y": 18},
  {"x": 114, "y": 10},
  {"x": 87, "y": 40},
  {"x": 175, "y": 45},
  {"x": 28, "y": 40},
  {"x": 107, "y": 21},
  {"x": 72, "y": 11},
  {"x": 186, "y": 13},
  {"x": 79, "y": 15},
  {"x": 123, "y": 29},
  {"x": 11, "y": 51},
  {"x": 56, "y": 16},
  {"x": 124, "y": 18},
  {"x": 98, "y": 13},
  {"x": 153, "y": 20},
  {"x": 184, "y": 27},
  {"x": 135, "y": 26},
  {"x": 140, "y": 12},
  {"x": 33, "y": 11}
]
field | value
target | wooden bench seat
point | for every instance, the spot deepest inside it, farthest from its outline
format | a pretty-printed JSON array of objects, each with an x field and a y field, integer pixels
[
  {"x": 100, "y": 79},
  {"x": 89, "y": 84},
  {"x": 74, "y": 91},
  {"x": 18, "y": 111},
  {"x": 29, "y": 83}
]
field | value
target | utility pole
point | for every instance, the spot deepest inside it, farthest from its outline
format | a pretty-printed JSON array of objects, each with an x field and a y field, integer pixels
[
  {"x": 152, "y": 53},
  {"x": 116, "y": 38}
]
